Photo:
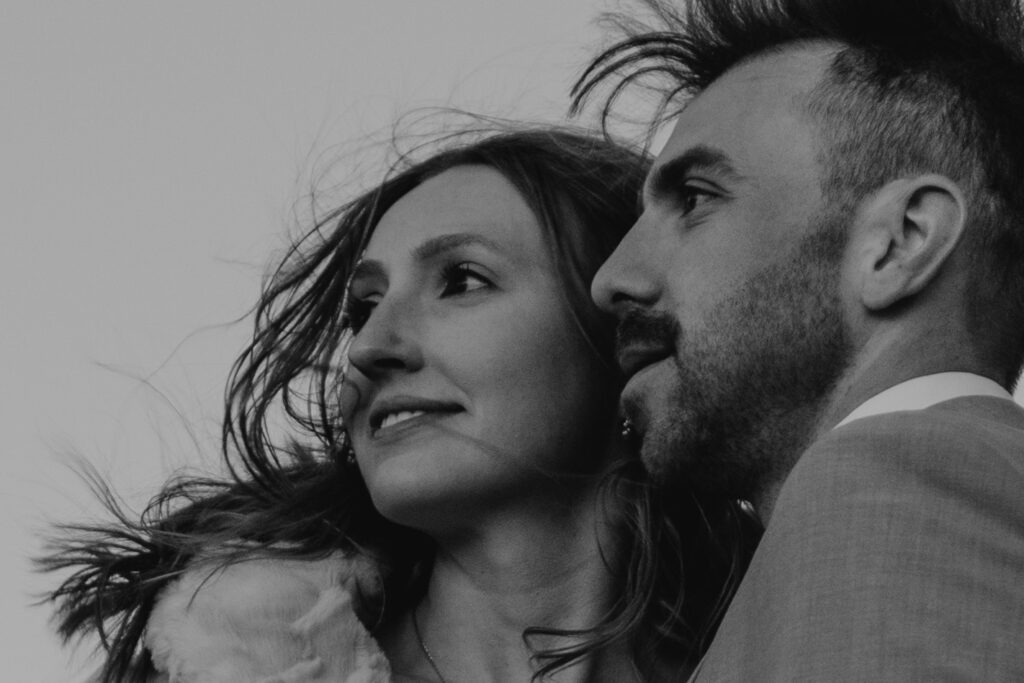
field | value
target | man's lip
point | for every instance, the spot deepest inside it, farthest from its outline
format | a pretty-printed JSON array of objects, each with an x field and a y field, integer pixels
[
  {"x": 383, "y": 407},
  {"x": 634, "y": 358}
]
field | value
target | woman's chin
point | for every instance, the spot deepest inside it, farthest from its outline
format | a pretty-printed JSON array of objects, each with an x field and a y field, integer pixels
[
  {"x": 432, "y": 502},
  {"x": 434, "y": 514}
]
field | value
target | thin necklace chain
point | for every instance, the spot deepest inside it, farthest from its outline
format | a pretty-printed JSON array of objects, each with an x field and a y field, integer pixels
[{"x": 423, "y": 646}]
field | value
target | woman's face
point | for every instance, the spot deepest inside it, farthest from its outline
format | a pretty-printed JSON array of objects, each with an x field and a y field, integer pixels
[{"x": 474, "y": 388}]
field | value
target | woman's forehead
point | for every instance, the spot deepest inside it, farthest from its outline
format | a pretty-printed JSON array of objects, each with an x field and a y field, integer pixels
[{"x": 459, "y": 204}]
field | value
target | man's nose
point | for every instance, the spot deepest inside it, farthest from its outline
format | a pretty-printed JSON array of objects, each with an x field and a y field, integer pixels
[{"x": 629, "y": 277}]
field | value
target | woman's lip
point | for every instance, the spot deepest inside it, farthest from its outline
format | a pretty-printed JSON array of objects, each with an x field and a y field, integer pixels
[
  {"x": 398, "y": 430},
  {"x": 391, "y": 405}
]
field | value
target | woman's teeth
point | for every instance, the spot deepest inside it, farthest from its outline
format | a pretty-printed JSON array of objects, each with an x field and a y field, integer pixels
[{"x": 395, "y": 418}]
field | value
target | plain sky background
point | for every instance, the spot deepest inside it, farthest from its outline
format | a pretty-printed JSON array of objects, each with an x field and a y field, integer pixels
[{"x": 154, "y": 155}]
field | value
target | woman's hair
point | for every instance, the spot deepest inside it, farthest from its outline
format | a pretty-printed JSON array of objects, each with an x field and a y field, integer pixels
[{"x": 291, "y": 491}]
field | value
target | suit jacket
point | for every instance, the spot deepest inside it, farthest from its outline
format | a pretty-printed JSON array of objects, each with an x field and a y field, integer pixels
[{"x": 895, "y": 552}]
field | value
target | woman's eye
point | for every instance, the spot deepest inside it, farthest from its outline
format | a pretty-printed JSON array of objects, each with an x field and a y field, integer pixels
[
  {"x": 460, "y": 278},
  {"x": 357, "y": 312}
]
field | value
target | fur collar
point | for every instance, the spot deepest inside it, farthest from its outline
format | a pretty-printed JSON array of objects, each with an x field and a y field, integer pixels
[{"x": 266, "y": 620}]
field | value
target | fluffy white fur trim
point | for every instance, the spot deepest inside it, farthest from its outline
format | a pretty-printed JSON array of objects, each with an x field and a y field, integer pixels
[{"x": 266, "y": 620}]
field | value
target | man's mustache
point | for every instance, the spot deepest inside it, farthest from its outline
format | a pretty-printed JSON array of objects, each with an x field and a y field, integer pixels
[
  {"x": 639, "y": 326},
  {"x": 644, "y": 336}
]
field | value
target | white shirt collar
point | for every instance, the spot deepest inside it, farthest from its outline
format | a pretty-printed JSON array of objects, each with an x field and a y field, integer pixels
[{"x": 921, "y": 392}]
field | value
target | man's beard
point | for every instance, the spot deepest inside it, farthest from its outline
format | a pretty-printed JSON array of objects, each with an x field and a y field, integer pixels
[{"x": 751, "y": 380}]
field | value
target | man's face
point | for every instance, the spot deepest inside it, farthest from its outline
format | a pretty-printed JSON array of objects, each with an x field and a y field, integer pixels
[{"x": 727, "y": 288}]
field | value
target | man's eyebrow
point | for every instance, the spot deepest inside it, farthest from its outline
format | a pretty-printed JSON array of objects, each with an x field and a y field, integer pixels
[
  {"x": 669, "y": 176},
  {"x": 429, "y": 250}
]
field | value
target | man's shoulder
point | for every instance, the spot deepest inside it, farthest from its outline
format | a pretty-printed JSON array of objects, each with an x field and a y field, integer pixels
[
  {"x": 984, "y": 418},
  {"x": 961, "y": 460},
  {"x": 917, "y": 510},
  {"x": 970, "y": 439},
  {"x": 982, "y": 412},
  {"x": 893, "y": 553}
]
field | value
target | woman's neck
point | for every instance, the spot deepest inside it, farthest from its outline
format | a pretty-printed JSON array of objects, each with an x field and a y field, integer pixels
[{"x": 543, "y": 565}]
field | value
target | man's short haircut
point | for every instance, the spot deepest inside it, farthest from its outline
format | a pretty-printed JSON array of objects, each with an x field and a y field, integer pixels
[{"x": 916, "y": 86}]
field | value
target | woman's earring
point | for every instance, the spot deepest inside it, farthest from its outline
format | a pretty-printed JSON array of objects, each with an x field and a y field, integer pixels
[
  {"x": 627, "y": 430},
  {"x": 348, "y": 452}
]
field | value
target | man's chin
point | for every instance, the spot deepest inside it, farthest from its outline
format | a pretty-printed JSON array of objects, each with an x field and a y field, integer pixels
[
  {"x": 664, "y": 450},
  {"x": 663, "y": 470},
  {"x": 677, "y": 448}
]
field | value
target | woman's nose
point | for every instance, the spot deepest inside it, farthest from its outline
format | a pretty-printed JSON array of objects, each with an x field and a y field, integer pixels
[{"x": 387, "y": 342}]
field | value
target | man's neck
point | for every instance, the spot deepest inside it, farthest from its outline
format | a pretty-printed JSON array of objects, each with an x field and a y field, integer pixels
[
  {"x": 872, "y": 372},
  {"x": 866, "y": 380}
]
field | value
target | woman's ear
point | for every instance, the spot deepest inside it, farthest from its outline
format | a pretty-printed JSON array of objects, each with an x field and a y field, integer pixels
[{"x": 905, "y": 231}]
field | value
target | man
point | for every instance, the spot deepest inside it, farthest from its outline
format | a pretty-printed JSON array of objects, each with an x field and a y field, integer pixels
[{"x": 822, "y": 311}]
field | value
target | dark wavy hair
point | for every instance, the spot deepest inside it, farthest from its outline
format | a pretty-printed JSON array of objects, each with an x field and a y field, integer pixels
[
  {"x": 290, "y": 492},
  {"x": 916, "y": 86}
]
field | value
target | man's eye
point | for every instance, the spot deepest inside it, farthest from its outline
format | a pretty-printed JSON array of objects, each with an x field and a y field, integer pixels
[
  {"x": 692, "y": 196},
  {"x": 460, "y": 278}
]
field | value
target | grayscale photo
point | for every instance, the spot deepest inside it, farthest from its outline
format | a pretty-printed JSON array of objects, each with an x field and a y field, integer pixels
[{"x": 590, "y": 341}]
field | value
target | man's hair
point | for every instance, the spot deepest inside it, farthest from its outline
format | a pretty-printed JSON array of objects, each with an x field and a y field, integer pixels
[{"x": 916, "y": 86}]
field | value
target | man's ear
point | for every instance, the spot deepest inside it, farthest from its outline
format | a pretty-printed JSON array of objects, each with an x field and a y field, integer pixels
[{"x": 905, "y": 232}]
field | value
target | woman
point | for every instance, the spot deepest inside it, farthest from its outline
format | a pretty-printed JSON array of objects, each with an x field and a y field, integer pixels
[{"x": 450, "y": 480}]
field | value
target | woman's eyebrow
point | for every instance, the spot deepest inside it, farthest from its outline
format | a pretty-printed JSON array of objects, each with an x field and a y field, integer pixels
[
  {"x": 436, "y": 246},
  {"x": 369, "y": 269}
]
